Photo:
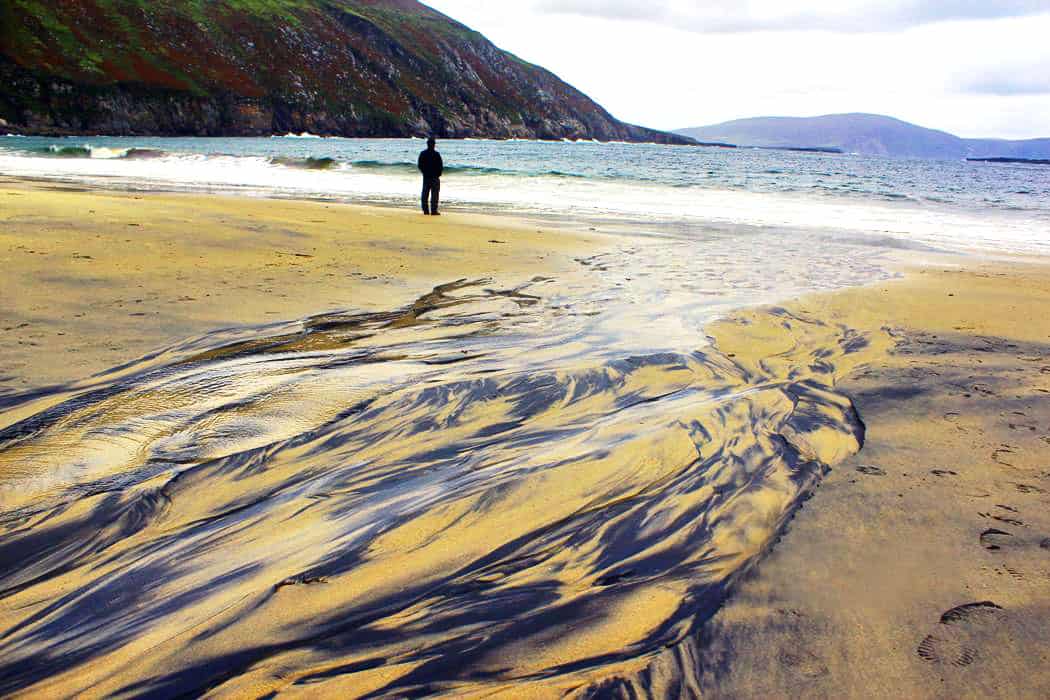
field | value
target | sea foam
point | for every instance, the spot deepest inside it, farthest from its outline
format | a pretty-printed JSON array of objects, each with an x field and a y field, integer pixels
[{"x": 939, "y": 204}]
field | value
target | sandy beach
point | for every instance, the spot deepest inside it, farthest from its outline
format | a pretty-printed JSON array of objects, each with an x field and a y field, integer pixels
[
  {"x": 98, "y": 278},
  {"x": 920, "y": 567}
]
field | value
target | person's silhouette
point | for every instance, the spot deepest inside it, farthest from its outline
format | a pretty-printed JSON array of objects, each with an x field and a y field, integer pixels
[{"x": 431, "y": 165}]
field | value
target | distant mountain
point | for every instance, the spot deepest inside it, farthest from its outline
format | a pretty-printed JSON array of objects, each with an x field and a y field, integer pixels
[
  {"x": 1030, "y": 149},
  {"x": 868, "y": 134},
  {"x": 256, "y": 67}
]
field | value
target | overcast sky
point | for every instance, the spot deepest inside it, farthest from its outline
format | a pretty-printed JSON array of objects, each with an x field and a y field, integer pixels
[{"x": 972, "y": 67}]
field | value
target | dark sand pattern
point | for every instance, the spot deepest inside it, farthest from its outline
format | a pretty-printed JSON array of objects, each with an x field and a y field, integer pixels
[{"x": 488, "y": 489}]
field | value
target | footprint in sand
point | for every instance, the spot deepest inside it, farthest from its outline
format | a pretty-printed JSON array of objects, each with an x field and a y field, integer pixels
[
  {"x": 970, "y": 612},
  {"x": 871, "y": 470},
  {"x": 803, "y": 663},
  {"x": 1013, "y": 573},
  {"x": 999, "y": 455},
  {"x": 957, "y": 641},
  {"x": 993, "y": 539}
]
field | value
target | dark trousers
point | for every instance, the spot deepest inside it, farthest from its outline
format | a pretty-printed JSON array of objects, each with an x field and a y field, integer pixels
[{"x": 431, "y": 191}]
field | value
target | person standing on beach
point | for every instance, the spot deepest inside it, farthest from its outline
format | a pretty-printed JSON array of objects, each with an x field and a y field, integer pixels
[{"x": 431, "y": 165}]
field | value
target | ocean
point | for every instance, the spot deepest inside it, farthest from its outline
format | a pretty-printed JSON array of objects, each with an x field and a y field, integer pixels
[{"x": 955, "y": 205}]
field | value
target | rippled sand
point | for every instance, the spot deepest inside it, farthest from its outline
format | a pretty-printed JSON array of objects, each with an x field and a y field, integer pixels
[{"x": 528, "y": 488}]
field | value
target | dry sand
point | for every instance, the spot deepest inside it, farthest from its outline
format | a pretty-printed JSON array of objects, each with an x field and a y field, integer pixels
[
  {"x": 94, "y": 279},
  {"x": 921, "y": 568}
]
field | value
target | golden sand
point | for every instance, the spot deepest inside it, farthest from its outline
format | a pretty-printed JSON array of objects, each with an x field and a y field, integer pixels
[
  {"x": 447, "y": 496},
  {"x": 477, "y": 491},
  {"x": 921, "y": 568},
  {"x": 94, "y": 279}
]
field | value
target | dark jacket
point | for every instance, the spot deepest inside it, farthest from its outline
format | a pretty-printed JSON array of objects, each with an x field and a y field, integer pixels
[{"x": 430, "y": 164}]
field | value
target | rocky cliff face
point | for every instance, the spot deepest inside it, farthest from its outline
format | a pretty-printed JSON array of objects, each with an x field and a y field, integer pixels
[{"x": 256, "y": 67}]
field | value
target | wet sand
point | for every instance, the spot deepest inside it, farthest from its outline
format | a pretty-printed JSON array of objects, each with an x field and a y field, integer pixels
[
  {"x": 490, "y": 489},
  {"x": 93, "y": 279}
]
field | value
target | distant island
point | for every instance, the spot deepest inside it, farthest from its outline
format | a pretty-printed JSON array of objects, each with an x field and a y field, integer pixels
[
  {"x": 383, "y": 68},
  {"x": 866, "y": 134},
  {"x": 1029, "y": 161},
  {"x": 803, "y": 149}
]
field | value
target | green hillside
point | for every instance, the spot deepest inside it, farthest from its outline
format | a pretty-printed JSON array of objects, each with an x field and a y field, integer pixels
[{"x": 225, "y": 67}]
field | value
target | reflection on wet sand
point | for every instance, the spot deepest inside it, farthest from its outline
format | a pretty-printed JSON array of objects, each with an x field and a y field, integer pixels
[{"x": 487, "y": 490}]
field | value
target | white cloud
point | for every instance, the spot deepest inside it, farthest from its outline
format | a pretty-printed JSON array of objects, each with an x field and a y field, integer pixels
[
  {"x": 1010, "y": 80},
  {"x": 801, "y": 15},
  {"x": 664, "y": 76}
]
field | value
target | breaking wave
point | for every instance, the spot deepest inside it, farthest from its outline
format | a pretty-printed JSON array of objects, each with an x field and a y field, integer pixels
[{"x": 98, "y": 152}]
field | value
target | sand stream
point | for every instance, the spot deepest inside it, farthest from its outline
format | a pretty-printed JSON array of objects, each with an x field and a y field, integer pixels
[{"x": 492, "y": 488}]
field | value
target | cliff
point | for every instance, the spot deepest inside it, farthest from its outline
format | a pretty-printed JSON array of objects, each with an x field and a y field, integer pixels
[{"x": 256, "y": 67}]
